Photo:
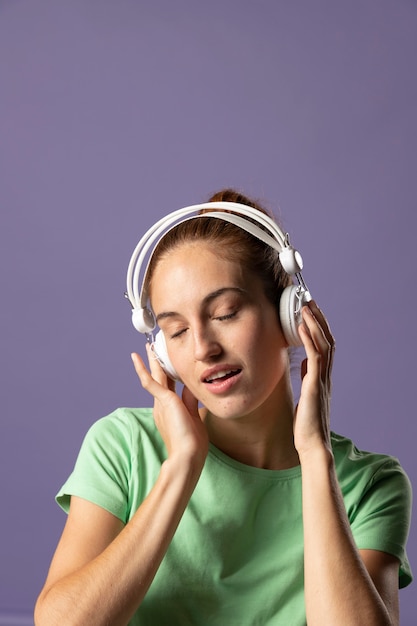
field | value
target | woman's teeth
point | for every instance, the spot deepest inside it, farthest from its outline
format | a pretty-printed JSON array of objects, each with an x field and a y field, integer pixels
[{"x": 220, "y": 374}]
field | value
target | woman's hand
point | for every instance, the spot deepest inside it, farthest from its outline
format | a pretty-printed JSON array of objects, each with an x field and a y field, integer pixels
[
  {"x": 312, "y": 416},
  {"x": 177, "y": 419}
]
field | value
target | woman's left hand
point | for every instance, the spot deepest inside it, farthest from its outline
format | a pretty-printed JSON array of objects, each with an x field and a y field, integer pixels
[{"x": 312, "y": 415}]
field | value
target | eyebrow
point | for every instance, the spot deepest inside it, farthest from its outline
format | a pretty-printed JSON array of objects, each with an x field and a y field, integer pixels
[{"x": 206, "y": 300}]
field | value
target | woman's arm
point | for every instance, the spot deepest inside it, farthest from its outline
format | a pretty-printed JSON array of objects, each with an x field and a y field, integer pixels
[
  {"x": 101, "y": 569},
  {"x": 342, "y": 585}
]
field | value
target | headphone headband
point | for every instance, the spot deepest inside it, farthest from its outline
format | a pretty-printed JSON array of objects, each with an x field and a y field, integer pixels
[{"x": 291, "y": 261}]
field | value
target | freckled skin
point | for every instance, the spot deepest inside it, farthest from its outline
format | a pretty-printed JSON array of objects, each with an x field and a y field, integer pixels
[{"x": 197, "y": 337}]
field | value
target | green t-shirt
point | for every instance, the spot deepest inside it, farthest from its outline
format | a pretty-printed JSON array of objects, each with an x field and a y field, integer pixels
[{"x": 237, "y": 556}]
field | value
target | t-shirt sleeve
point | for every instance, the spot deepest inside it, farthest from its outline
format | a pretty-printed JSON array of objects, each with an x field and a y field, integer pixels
[
  {"x": 382, "y": 518},
  {"x": 102, "y": 469}
]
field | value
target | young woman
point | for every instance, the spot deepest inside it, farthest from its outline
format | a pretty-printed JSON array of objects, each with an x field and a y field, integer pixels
[{"x": 225, "y": 505}]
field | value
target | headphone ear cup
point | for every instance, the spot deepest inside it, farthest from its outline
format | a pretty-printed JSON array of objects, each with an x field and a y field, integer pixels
[
  {"x": 143, "y": 320},
  {"x": 290, "y": 314},
  {"x": 159, "y": 348}
]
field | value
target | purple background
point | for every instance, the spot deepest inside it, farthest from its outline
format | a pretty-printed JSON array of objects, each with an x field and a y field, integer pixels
[{"x": 113, "y": 113}]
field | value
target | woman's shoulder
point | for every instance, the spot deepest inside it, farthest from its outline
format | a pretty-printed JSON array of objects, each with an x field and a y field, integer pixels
[
  {"x": 377, "y": 495},
  {"x": 126, "y": 429},
  {"x": 124, "y": 419},
  {"x": 358, "y": 468},
  {"x": 117, "y": 451}
]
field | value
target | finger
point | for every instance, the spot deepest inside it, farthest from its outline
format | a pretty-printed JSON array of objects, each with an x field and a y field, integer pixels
[
  {"x": 322, "y": 320},
  {"x": 147, "y": 381},
  {"x": 139, "y": 365},
  {"x": 312, "y": 364},
  {"x": 321, "y": 337},
  {"x": 190, "y": 402},
  {"x": 316, "y": 346},
  {"x": 306, "y": 331},
  {"x": 315, "y": 329},
  {"x": 156, "y": 370}
]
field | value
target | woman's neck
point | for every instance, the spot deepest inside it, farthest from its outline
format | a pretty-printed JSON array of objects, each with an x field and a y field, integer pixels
[{"x": 263, "y": 438}]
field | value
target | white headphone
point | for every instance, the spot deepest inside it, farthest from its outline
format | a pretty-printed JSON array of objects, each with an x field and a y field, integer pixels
[{"x": 292, "y": 299}]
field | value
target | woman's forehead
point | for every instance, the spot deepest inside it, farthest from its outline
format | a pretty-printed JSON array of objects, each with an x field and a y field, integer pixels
[
  {"x": 194, "y": 259},
  {"x": 196, "y": 270}
]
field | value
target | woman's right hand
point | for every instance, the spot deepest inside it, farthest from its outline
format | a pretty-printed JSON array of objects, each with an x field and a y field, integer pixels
[{"x": 177, "y": 419}]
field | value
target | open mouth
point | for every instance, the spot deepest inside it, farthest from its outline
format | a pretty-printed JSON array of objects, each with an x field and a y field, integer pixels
[{"x": 222, "y": 375}]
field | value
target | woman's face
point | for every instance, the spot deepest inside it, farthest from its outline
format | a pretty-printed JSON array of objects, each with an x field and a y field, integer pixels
[{"x": 222, "y": 333}]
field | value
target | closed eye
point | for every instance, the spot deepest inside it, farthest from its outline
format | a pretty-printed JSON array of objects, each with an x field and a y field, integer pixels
[
  {"x": 178, "y": 333},
  {"x": 219, "y": 318},
  {"x": 229, "y": 316}
]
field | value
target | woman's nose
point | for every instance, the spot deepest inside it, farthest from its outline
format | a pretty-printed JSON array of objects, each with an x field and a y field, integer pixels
[{"x": 206, "y": 345}]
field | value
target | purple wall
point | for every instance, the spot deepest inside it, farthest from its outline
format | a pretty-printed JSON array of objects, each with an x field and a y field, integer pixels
[{"x": 113, "y": 113}]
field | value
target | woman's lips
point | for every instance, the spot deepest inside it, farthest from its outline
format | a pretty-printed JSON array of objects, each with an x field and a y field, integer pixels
[
  {"x": 226, "y": 373},
  {"x": 221, "y": 379}
]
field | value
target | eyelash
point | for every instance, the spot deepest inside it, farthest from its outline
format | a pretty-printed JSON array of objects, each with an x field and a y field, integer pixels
[
  {"x": 178, "y": 334},
  {"x": 220, "y": 318}
]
